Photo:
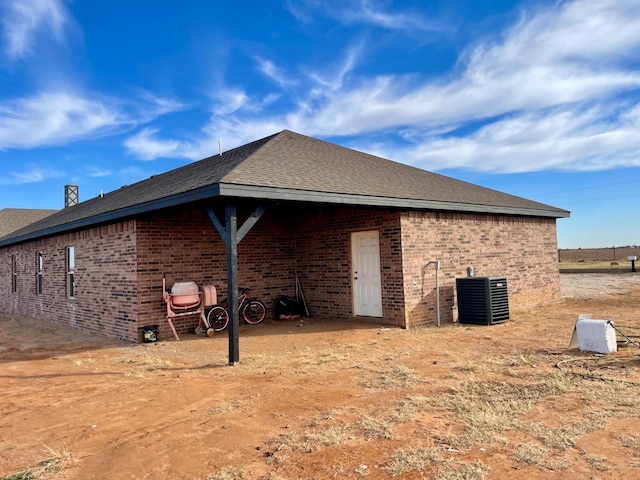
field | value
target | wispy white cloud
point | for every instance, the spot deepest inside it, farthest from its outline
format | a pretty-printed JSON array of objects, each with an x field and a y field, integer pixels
[
  {"x": 237, "y": 118},
  {"x": 335, "y": 80},
  {"x": 148, "y": 147},
  {"x": 32, "y": 174},
  {"x": 54, "y": 118},
  {"x": 95, "y": 172},
  {"x": 543, "y": 61},
  {"x": 560, "y": 139},
  {"x": 300, "y": 9},
  {"x": 228, "y": 100},
  {"x": 371, "y": 12},
  {"x": 276, "y": 74},
  {"x": 558, "y": 86},
  {"x": 156, "y": 106},
  {"x": 24, "y": 20},
  {"x": 375, "y": 13}
]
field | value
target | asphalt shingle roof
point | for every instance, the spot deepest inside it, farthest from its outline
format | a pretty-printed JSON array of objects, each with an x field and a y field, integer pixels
[
  {"x": 12, "y": 219},
  {"x": 290, "y": 166}
]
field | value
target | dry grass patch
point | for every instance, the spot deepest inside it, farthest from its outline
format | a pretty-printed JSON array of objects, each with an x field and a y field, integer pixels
[
  {"x": 452, "y": 469},
  {"x": 414, "y": 459},
  {"x": 260, "y": 362},
  {"x": 328, "y": 437},
  {"x": 451, "y": 440},
  {"x": 407, "y": 409},
  {"x": 630, "y": 442},
  {"x": 55, "y": 462},
  {"x": 229, "y": 407},
  {"x": 79, "y": 361},
  {"x": 562, "y": 437},
  {"x": 326, "y": 416},
  {"x": 485, "y": 408},
  {"x": 271, "y": 476},
  {"x": 397, "y": 376},
  {"x": 597, "y": 462},
  {"x": 516, "y": 360},
  {"x": 619, "y": 399},
  {"x": 538, "y": 456},
  {"x": 150, "y": 361},
  {"x": 329, "y": 356},
  {"x": 335, "y": 471},
  {"x": 26, "y": 475},
  {"x": 373, "y": 428},
  {"x": 328, "y": 431},
  {"x": 233, "y": 473},
  {"x": 471, "y": 366},
  {"x": 307, "y": 442},
  {"x": 529, "y": 453}
]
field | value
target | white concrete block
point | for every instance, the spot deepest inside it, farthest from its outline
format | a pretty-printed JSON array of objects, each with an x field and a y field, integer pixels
[{"x": 596, "y": 336}]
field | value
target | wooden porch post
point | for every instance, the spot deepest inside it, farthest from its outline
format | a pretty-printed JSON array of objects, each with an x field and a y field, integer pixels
[
  {"x": 232, "y": 236},
  {"x": 232, "y": 282}
]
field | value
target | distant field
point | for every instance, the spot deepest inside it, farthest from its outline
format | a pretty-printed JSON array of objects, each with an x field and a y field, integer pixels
[
  {"x": 617, "y": 254},
  {"x": 623, "y": 265}
]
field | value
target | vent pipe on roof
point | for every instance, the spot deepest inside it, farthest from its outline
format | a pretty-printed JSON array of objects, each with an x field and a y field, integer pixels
[{"x": 70, "y": 195}]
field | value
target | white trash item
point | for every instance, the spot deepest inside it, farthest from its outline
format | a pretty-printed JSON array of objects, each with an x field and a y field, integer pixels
[{"x": 597, "y": 336}]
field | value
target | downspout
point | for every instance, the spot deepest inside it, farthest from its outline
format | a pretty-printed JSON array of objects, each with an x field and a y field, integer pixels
[{"x": 437, "y": 266}]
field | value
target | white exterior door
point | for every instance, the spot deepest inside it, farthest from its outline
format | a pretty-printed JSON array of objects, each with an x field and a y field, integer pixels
[{"x": 367, "y": 286}]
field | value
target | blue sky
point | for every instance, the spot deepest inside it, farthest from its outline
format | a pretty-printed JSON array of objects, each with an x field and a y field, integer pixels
[{"x": 540, "y": 99}]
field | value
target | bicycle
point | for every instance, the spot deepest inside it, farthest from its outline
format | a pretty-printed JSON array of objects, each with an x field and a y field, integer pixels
[{"x": 251, "y": 310}]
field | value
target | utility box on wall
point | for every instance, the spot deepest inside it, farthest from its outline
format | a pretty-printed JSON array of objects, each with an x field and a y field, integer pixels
[{"x": 482, "y": 300}]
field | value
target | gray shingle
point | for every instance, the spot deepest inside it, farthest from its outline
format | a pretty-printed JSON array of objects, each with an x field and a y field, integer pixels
[{"x": 12, "y": 219}]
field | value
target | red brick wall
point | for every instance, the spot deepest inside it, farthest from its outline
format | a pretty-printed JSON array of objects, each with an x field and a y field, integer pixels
[
  {"x": 119, "y": 268},
  {"x": 185, "y": 246},
  {"x": 105, "y": 289},
  {"x": 324, "y": 261},
  {"x": 521, "y": 248}
]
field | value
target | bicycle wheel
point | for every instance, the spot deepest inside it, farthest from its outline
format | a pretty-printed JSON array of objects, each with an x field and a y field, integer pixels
[
  {"x": 254, "y": 312},
  {"x": 218, "y": 318}
]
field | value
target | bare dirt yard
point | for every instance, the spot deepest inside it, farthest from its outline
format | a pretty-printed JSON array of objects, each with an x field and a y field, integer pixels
[{"x": 320, "y": 399}]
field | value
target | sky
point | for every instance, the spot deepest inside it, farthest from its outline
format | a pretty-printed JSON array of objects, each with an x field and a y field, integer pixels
[{"x": 539, "y": 99}]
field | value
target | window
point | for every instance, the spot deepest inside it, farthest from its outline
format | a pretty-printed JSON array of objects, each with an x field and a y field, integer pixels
[
  {"x": 14, "y": 273},
  {"x": 71, "y": 263},
  {"x": 39, "y": 273}
]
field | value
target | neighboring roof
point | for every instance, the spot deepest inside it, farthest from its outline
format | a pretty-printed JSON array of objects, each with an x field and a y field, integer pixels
[
  {"x": 12, "y": 219},
  {"x": 289, "y": 166}
]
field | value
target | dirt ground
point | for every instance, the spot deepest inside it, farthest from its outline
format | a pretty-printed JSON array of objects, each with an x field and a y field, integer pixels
[{"x": 320, "y": 399}]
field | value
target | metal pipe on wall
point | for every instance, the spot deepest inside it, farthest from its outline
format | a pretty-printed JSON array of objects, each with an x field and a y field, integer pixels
[{"x": 437, "y": 266}]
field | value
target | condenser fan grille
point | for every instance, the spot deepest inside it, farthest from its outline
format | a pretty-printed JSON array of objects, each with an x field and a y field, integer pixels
[{"x": 482, "y": 300}]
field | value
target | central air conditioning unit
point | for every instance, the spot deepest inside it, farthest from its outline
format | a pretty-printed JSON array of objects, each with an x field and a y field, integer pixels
[{"x": 482, "y": 300}]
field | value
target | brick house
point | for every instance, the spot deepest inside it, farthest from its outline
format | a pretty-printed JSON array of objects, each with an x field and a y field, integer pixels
[{"x": 359, "y": 230}]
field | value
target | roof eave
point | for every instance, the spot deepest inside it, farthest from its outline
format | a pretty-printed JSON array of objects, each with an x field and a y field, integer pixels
[
  {"x": 286, "y": 194},
  {"x": 272, "y": 193},
  {"x": 119, "y": 214}
]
